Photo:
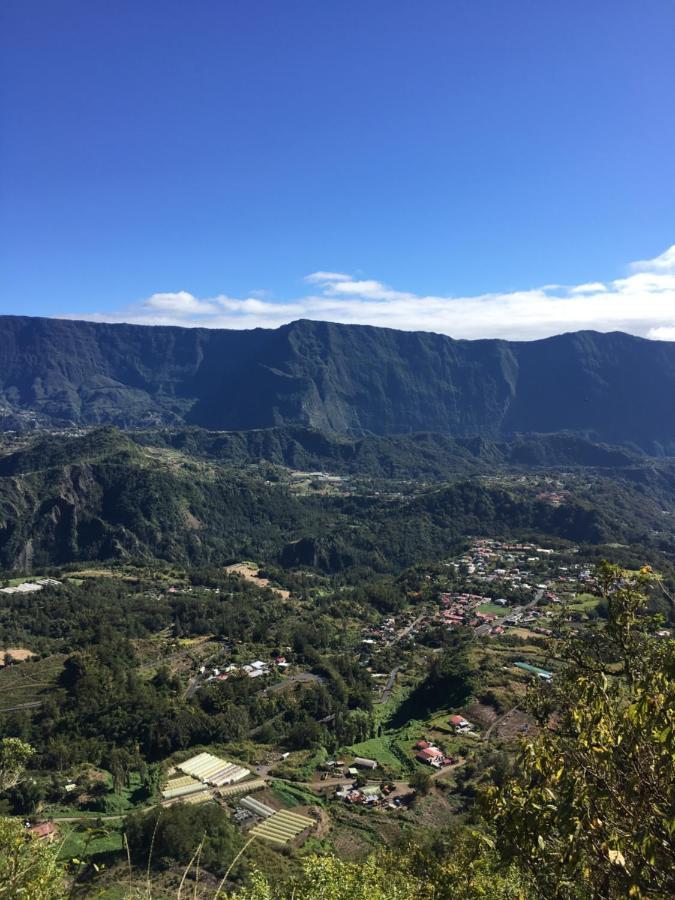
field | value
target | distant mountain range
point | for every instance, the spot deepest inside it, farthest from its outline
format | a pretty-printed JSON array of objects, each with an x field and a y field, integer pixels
[{"x": 347, "y": 379}]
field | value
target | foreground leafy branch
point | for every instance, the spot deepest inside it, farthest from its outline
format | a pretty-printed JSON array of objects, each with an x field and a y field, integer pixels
[{"x": 590, "y": 812}]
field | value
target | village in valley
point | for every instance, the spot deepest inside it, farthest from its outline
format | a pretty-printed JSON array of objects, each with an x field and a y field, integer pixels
[{"x": 504, "y": 598}]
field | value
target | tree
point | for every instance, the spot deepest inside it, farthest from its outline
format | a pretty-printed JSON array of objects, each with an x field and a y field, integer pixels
[
  {"x": 589, "y": 812},
  {"x": 421, "y": 783},
  {"x": 172, "y": 835},
  {"x": 26, "y": 796},
  {"x": 329, "y": 878},
  {"x": 305, "y": 734},
  {"x": 461, "y": 867},
  {"x": 14, "y": 754},
  {"x": 28, "y": 867}
]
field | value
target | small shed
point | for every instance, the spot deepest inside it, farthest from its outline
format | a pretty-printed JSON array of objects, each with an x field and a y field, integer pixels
[{"x": 364, "y": 763}]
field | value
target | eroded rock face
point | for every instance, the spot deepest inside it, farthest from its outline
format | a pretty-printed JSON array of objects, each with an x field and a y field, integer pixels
[{"x": 340, "y": 378}]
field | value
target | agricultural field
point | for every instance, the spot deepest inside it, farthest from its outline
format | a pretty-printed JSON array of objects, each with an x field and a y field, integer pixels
[{"x": 29, "y": 682}]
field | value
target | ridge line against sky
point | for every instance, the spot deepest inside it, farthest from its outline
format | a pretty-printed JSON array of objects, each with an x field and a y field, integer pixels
[
  {"x": 159, "y": 161},
  {"x": 641, "y": 303}
]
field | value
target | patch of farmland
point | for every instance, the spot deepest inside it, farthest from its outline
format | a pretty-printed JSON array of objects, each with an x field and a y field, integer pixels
[{"x": 283, "y": 827}]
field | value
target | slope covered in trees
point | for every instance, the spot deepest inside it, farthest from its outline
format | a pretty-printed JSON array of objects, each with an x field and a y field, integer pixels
[{"x": 105, "y": 495}]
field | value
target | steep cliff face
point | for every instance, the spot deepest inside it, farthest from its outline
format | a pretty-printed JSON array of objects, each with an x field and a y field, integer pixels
[{"x": 341, "y": 378}]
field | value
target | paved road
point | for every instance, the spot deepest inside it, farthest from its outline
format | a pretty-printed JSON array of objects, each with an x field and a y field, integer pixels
[
  {"x": 485, "y": 629},
  {"x": 384, "y": 696},
  {"x": 448, "y": 770},
  {"x": 404, "y": 632},
  {"x": 300, "y": 678}
]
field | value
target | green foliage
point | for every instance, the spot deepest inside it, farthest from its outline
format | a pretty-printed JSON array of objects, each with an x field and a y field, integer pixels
[
  {"x": 459, "y": 866},
  {"x": 589, "y": 811},
  {"x": 28, "y": 866},
  {"x": 14, "y": 755},
  {"x": 449, "y": 681},
  {"x": 421, "y": 782},
  {"x": 169, "y": 836},
  {"x": 105, "y": 495},
  {"x": 328, "y": 878}
]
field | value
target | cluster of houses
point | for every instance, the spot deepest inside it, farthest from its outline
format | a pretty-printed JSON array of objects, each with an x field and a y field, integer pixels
[
  {"x": 390, "y": 630},
  {"x": 368, "y": 795},
  {"x": 461, "y": 609},
  {"x": 255, "y": 669},
  {"x": 521, "y": 578},
  {"x": 521, "y": 566},
  {"x": 529, "y": 619},
  {"x": 431, "y": 755},
  {"x": 553, "y": 498},
  {"x": 512, "y": 564}
]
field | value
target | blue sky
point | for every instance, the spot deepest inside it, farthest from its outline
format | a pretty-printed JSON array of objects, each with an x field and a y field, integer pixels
[{"x": 444, "y": 163}]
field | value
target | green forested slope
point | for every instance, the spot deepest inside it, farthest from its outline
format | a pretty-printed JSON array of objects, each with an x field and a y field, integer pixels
[{"x": 102, "y": 495}]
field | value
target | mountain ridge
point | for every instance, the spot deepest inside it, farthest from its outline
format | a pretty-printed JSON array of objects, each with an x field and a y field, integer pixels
[{"x": 351, "y": 379}]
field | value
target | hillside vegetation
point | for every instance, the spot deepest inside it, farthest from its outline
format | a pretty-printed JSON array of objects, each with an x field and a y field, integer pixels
[{"x": 110, "y": 495}]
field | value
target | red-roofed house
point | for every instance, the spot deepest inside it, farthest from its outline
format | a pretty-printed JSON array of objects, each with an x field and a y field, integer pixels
[
  {"x": 432, "y": 756},
  {"x": 460, "y": 723},
  {"x": 43, "y": 831}
]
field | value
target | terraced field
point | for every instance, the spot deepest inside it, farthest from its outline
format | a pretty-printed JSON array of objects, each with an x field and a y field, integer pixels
[{"x": 28, "y": 682}]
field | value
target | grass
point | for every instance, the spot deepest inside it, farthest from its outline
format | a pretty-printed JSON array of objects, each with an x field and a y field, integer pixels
[
  {"x": 378, "y": 749},
  {"x": 29, "y": 681},
  {"x": 399, "y": 693},
  {"x": 439, "y": 722},
  {"x": 492, "y": 609},
  {"x": 85, "y": 843},
  {"x": 584, "y": 603},
  {"x": 118, "y": 805},
  {"x": 294, "y": 795}
]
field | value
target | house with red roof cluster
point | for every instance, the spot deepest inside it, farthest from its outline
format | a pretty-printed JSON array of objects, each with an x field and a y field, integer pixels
[{"x": 431, "y": 755}]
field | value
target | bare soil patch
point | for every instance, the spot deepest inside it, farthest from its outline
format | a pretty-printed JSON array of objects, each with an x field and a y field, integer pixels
[
  {"x": 250, "y": 573},
  {"x": 514, "y": 725},
  {"x": 16, "y": 654},
  {"x": 481, "y": 713}
]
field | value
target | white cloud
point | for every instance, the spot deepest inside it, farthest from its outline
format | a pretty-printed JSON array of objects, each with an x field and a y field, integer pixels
[
  {"x": 180, "y": 303},
  {"x": 319, "y": 277},
  {"x": 591, "y": 287},
  {"x": 662, "y": 334},
  {"x": 641, "y": 303},
  {"x": 663, "y": 263}
]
